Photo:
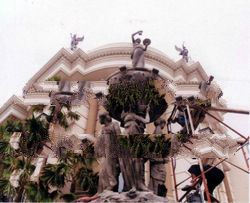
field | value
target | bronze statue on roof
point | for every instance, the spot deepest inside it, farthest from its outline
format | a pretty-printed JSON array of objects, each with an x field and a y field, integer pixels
[
  {"x": 183, "y": 51},
  {"x": 74, "y": 41}
]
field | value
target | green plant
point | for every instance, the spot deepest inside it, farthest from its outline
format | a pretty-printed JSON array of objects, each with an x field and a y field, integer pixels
[
  {"x": 134, "y": 96},
  {"x": 38, "y": 108},
  {"x": 34, "y": 135},
  {"x": 38, "y": 192},
  {"x": 87, "y": 180},
  {"x": 144, "y": 146},
  {"x": 70, "y": 197},
  {"x": 27, "y": 169},
  {"x": 182, "y": 137},
  {"x": 5, "y": 148},
  {"x": 55, "y": 174},
  {"x": 6, "y": 189},
  {"x": 61, "y": 116},
  {"x": 54, "y": 78},
  {"x": 13, "y": 126}
]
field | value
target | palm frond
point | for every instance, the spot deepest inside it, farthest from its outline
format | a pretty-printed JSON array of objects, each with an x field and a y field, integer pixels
[
  {"x": 13, "y": 126},
  {"x": 5, "y": 148},
  {"x": 6, "y": 188},
  {"x": 73, "y": 115},
  {"x": 38, "y": 108},
  {"x": 55, "y": 175},
  {"x": 37, "y": 192}
]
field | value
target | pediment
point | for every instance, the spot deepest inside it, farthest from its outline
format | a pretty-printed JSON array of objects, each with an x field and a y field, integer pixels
[
  {"x": 14, "y": 108},
  {"x": 99, "y": 63}
]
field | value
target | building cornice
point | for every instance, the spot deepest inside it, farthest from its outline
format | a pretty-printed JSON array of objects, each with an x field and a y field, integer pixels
[
  {"x": 13, "y": 107},
  {"x": 78, "y": 61}
]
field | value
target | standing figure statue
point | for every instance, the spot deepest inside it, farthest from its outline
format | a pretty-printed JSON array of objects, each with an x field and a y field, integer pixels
[
  {"x": 60, "y": 98},
  {"x": 183, "y": 51},
  {"x": 133, "y": 168},
  {"x": 157, "y": 166},
  {"x": 57, "y": 106},
  {"x": 137, "y": 56},
  {"x": 81, "y": 89},
  {"x": 75, "y": 40},
  {"x": 106, "y": 147},
  {"x": 204, "y": 85}
]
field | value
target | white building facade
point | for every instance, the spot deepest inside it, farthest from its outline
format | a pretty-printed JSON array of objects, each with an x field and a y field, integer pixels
[{"x": 95, "y": 66}]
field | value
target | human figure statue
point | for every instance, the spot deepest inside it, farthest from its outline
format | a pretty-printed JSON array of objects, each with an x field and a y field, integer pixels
[
  {"x": 64, "y": 86},
  {"x": 57, "y": 105},
  {"x": 157, "y": 166},
  {"x": 106, "y": 145},
  {"x": 204, "y": 85},
  {"x": 137, "y": 56},
  {"x": 61, "y": 97},
  {"x": 133, "y": 168},
  {"x": 220, "y": 95},
  {"x": 75, "y": 40},
  {"x": 81, "y": 86},
  {"x": 159, "y": 125},
  {"x": 183, "y": 52},
  {"x": 58, "y": 100},
  {"x": 210, "y": 90}
]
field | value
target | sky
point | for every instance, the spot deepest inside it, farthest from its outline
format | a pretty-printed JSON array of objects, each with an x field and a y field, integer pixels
[{"x": 217, "y": 34}]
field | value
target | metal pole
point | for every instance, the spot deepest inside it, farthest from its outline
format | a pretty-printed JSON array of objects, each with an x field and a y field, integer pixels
[
  {"x": 204, "y": 172},
  {"x": 197, "y": 179},
  {"x": 186, "y": 122},
  {"x": 226, "y": 125},
  {"x": 245, "y": 157},
  {"x": 228, "y": 110},
  {"x": 183, "y": 181},
  {"x": 173, "y": 170},
  {"x": 183, "y": 196},
  {"x": 243, "y": 144},
  {"x": 173, "y": 112},
  {"x": 190, "y": 119},
  {"x": 170, "y": 119},
  {"x": 238, "y": 167},
  {"x": 187, "y": 147},
  {"x": 204, "y": 180}
]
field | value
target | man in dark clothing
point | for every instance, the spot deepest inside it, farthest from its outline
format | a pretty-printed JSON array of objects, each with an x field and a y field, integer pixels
[{"x": 214, "y": 176}]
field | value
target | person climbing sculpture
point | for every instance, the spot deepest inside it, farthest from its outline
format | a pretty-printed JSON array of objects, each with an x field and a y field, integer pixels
[
  {"x": 138, "y": 59},
  {"x": 214, "y": 177},
  {"x": 75, "y": 40}
]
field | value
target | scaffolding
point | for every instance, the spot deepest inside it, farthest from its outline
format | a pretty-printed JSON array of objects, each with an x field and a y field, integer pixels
[{"x": 194, "y": 113}]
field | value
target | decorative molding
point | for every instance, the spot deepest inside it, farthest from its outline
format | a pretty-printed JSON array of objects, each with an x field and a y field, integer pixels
[
  {"x": 86, "y": 61},
  {"x": 15, "y": 107}
]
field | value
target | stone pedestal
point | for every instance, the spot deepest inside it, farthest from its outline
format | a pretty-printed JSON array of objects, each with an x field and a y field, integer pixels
[{"x": 131, "y": 196}]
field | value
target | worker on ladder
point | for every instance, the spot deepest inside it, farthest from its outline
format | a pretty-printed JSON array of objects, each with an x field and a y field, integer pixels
[{"x": 214, "y": 177}]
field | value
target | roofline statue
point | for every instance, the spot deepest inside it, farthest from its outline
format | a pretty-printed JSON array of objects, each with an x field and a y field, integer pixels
[
  {"x": 74, "y": 41},
  {"x": 183, "y": 51},
  {"x": 137, "y": 56}
]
